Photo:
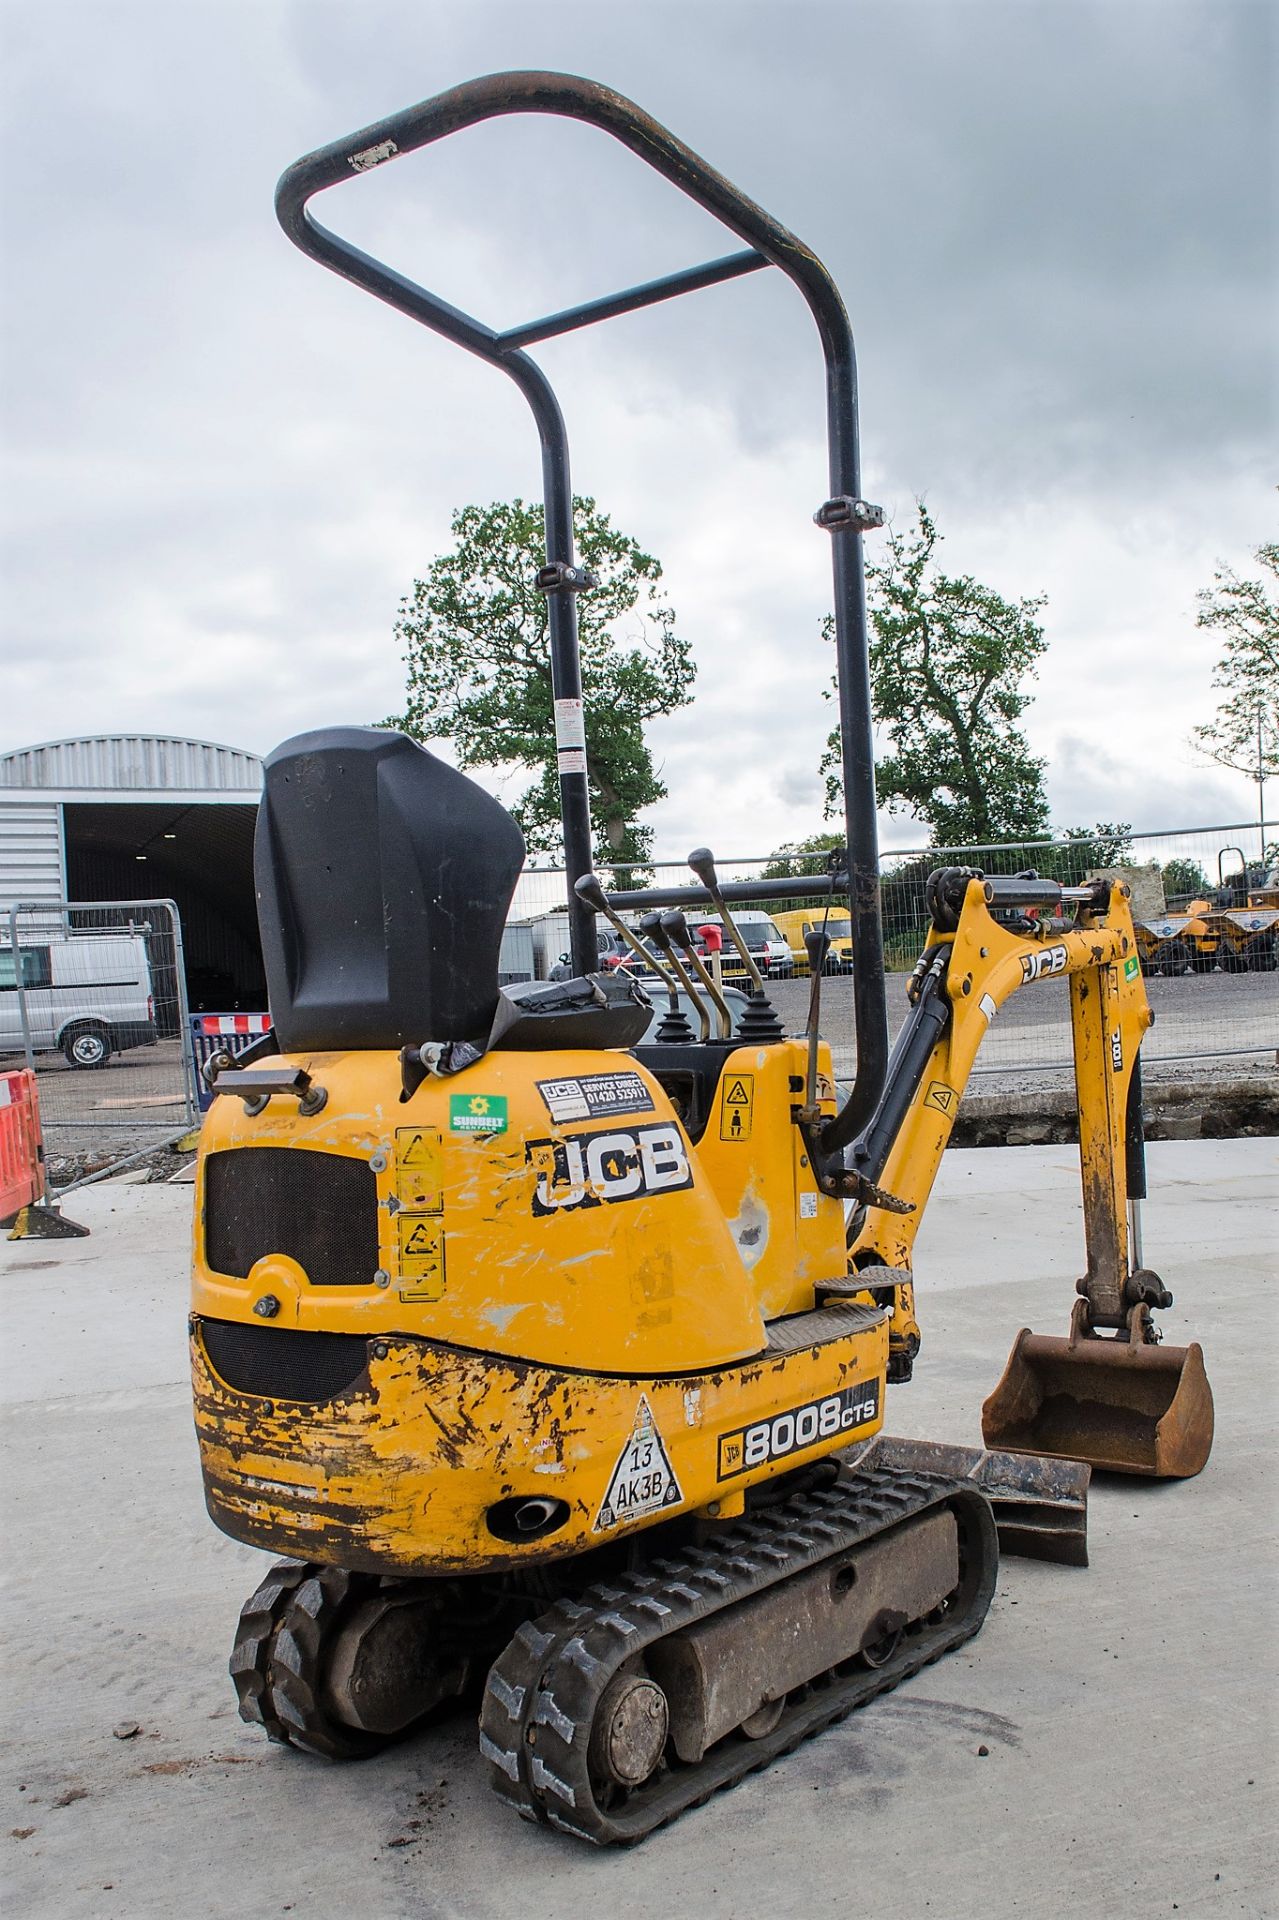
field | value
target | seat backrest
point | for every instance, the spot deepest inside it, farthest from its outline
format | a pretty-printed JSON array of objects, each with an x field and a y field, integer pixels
[{"x": 383, "y": 879}]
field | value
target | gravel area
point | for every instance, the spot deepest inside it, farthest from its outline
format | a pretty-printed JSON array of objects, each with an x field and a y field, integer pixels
[
  {"x": 1212, "y": 1032},
  {"x": 1206, "y": 1026}
]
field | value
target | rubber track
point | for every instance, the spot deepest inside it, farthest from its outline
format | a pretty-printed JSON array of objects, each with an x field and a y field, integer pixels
[
  {"x": 545, "y": 1688},
  {"x": 279, "y": 1649},
  {"x": 250, "y": 1663}
]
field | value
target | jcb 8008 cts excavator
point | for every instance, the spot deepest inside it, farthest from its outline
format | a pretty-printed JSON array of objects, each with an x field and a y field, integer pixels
[{"x": 548, "y": 1356}]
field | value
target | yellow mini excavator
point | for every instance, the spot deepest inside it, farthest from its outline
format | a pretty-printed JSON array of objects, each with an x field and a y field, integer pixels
[{"x": 553, "y": 1358}]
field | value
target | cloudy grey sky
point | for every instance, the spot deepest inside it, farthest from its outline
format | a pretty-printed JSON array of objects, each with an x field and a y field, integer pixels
[{"x": 1053, "y": 223}]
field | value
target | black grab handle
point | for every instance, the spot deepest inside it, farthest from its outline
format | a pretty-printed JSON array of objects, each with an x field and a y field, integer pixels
[{"x": 844, "y": 515}]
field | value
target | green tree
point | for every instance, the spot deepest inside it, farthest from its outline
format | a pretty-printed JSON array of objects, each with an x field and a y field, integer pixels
[
  {"x": 949, "y": 661},
  {"x": 1081, "y": 850},
  {"x": 798, "y": 859},
  {"x": 1184, "y": 880},
  {"x": 476, "y": 645},
  {"x": 1245, "y": 734}
]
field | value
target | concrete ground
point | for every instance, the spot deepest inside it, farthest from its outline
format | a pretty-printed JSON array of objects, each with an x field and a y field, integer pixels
[{"x": 1127, "y": 1709}]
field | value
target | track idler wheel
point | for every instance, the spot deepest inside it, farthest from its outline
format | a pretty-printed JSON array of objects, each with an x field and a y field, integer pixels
[
  {"x": 341, "y": 1664},
  {"x": 628, "y": 1739}
]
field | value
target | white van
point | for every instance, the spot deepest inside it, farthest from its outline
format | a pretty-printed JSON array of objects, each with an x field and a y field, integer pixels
[{"x": 89, "y": 995}]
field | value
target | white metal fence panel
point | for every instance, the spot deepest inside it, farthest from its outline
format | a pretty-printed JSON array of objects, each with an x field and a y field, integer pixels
[{"x": 93, "y": 999}]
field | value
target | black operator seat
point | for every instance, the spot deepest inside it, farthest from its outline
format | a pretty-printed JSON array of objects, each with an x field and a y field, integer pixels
[{"x": 384, "y": 877}]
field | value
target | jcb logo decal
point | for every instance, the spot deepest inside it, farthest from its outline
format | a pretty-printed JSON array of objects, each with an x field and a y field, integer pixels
[
  {"x": 1038, "y": 966},
  {"x": 591, "y": 1169}
]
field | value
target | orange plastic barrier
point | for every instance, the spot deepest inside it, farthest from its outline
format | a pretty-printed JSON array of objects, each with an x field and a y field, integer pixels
[{"x": 21, "y": 1153}]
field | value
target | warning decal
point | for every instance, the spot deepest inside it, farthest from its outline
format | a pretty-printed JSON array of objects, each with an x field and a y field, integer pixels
[
  {"x": 941, "y": 1096},
  {"x": 421, "y": 1251},
  {"x": 643, "y": 1481},
  {"x": 738, "y": 1107},
  {"x": 419, "y": 1182}
]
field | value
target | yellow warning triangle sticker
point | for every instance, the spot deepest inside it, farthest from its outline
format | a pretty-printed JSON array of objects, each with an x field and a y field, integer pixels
[
  {"x": 737, "y": 1095},
  {"x": 417, "y": 1151}
]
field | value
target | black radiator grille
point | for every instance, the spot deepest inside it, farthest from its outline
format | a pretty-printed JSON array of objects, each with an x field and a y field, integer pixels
[
  {"x": 318, "y": 1208},
  {"x": 280, "y": 1363}
]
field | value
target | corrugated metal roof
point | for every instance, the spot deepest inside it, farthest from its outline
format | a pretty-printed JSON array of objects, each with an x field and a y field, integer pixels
[{"x": 132, "y": 763}]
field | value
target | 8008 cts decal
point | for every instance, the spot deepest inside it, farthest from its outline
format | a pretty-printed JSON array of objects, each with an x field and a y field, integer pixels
[{"x": 798, "y": 1428}]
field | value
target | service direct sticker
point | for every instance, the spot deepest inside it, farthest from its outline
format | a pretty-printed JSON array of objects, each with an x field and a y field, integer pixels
[
  {"x": 477, "y": 1113},
  {"x": 595, "y": 1096}
]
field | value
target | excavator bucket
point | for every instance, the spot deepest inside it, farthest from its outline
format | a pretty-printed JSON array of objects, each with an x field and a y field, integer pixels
[
  {"x": 1040, "y": 1506},
  {"x": 1126, "y": 1405}
]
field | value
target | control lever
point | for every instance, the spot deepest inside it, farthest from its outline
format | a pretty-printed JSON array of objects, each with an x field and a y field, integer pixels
[
  {"x": 702, "y": 861},
  {"x": 677, "y": 927},
  {"x": 817, "y": 944},
  {"x": 653, "y": 927},
  {"x": 589, "y": 890}
]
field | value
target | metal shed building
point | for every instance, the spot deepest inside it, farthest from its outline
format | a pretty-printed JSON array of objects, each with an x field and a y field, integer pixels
[{"x": 140, "y": 817}]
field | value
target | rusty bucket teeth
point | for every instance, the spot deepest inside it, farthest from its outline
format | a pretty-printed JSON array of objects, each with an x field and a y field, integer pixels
[{"x": 1124, "y": 1405}]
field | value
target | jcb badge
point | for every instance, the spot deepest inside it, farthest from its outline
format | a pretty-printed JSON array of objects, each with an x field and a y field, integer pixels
[
  {"x": 589, "y": 1169},
  {"x": 1038, "y": 966}
]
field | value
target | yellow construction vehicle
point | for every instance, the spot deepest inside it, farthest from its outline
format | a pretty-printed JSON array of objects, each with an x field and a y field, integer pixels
[
  {"x": 539, "y": 1351},
  {"x": 798, "y": 922}
]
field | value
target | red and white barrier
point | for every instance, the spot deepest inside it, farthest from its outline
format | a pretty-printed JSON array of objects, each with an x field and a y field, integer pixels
[{"x": 21, "y": 1152}]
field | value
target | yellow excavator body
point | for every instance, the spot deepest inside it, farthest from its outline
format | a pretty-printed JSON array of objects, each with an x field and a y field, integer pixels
[
  {"x": 550, "y": 1350},
  {"x": 519, "y": 1296}
]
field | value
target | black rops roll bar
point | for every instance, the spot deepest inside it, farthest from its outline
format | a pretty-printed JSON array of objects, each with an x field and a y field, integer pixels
[{"x": 844, "y": 515}]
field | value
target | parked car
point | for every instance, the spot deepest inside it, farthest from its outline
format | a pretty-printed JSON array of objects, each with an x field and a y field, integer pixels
[
  {"x": 614, "y": 954},
  {"x": 89, "y": 996}
]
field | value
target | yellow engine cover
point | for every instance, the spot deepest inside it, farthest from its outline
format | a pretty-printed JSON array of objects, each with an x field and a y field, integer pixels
[{"x": 531, "y": 1264}]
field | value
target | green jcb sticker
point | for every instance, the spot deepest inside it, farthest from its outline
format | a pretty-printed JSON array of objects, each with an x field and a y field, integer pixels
[
  {"x": 1132, "y": 967},
  {"x": 477, "y": 1113}
]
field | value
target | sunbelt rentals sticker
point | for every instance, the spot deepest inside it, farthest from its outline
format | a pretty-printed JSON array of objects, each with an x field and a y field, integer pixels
[{"x": 477, "y": 1113}]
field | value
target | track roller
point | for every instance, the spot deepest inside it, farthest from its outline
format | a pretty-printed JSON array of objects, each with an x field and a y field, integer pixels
[{"x": 615, "y": 1711}]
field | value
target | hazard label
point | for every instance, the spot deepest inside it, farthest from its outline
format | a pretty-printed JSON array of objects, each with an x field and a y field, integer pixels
[
  {"x": 939, "y": 1095},
  {"x": 643, "y": 1481},
  {"x": 738, "y": 1109},
  {"x": 419, "y": 1173},
  {"x": 421, "y": 1256}
]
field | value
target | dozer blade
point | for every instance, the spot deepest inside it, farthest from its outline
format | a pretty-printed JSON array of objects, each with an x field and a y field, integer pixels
[
  {"x": 1040, "y": 1505},
  {"x": 1126, "y": 1405}
]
